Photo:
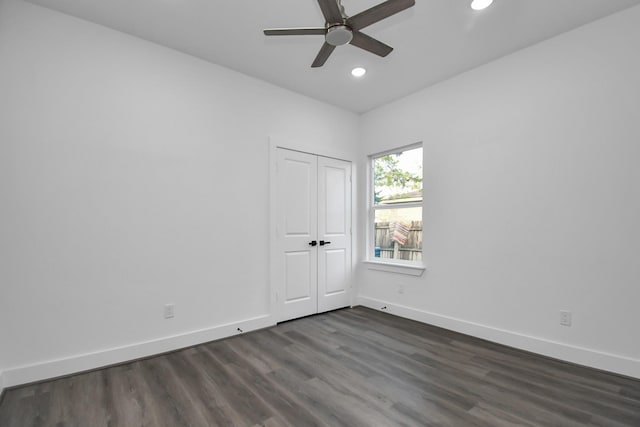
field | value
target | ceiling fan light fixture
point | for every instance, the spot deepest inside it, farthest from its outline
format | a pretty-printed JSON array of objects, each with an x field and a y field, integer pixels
[
  {"x": 339, "y": 35},
  {"x": 358, "y": 72},
  {"x": 480, "y": 4}
]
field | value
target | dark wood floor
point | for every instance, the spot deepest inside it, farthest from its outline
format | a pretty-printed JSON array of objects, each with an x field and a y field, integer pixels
[{"x": 353, "y": 367}]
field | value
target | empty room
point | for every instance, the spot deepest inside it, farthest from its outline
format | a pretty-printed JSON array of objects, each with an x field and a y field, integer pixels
[{"x": 319, "y": 213}]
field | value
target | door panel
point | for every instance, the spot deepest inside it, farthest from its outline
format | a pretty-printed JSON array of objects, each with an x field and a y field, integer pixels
[
  {"x": 335, "y": 199},
  {"x": 336, "y": 270},
  {"x": 296, "y": 267},
  {"x": 298, "y": 283},
  {"x": 297, "y": 177},
  {"x": 334, "y": 226}
]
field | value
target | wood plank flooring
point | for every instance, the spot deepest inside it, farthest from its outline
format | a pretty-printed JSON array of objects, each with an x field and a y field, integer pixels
[{"x": 353, "y": 367}]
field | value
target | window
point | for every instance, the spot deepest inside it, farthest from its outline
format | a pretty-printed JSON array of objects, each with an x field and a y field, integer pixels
[{"x": 396, "y": 205}]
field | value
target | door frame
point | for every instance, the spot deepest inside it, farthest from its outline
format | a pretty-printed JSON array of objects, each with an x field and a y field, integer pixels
[{"x": 274, "y": 144}]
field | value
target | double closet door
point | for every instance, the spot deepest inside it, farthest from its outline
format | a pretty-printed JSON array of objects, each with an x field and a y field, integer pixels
[{"x": 313, "y": 232}]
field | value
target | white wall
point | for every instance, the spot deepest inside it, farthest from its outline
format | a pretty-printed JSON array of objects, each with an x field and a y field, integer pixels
[
  {"x": 132, "y": 176},
  {"x": 532, "y": 197}
]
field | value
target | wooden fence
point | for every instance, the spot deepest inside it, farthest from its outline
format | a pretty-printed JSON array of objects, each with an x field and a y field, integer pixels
[{"x": 388, "y": 248}]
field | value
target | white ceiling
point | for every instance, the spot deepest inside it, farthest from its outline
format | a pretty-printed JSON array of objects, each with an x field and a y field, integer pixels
[{"x": 434, "y": 40}]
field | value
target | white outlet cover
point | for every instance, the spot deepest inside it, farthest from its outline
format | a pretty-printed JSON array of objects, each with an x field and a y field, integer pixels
[
  {"x": 565, "y": 318},
  {"x": 168, "y": 311}
]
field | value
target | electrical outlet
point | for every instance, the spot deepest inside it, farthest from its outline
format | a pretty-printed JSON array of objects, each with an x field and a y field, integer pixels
[
  {"x": 565, "y": 318},
  {"x": 401, "y": 289},
  {"x": 169, "y": 311}
]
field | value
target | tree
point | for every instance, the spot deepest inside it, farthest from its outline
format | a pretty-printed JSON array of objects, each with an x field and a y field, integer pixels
[{"x": 388, "y": 177}]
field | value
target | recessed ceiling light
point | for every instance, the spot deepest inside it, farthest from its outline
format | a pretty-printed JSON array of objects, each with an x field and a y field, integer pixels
[
  {"x": 358, "y": 72},
  {"x": 480, "y": 4}
]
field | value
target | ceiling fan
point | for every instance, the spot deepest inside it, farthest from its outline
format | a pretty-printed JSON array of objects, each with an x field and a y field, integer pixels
[{"x": 341, "y": 29}]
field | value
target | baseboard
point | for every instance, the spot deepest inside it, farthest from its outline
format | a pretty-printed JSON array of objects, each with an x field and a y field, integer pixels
[
  {"x": 578, "y": 355},
  {"x": 66, "y": 366},
  {"x": 2, "y": 386}
]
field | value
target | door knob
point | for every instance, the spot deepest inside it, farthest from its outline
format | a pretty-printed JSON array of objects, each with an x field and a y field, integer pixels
[
  {"x": 322, "y": 243},
  {"x": 313, "y": 243}
]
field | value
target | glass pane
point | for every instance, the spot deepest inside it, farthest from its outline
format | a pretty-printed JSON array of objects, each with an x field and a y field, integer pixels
[
  {"x": 397, "y": 178},
  {"x": 398, "y": 234}
]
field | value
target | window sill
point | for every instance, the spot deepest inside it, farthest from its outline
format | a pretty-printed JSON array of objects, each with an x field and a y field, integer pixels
[{"x": 392, "y": 267}]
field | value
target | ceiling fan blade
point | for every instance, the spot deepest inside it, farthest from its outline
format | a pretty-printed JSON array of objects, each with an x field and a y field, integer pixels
[
  {"x": 295, "y": 31},
  {"x": 370, "y": 44},
  {"x": 323, "y": 55},
  {"x": 331, "y": 11},
  {"x": 378, "y": 13}
]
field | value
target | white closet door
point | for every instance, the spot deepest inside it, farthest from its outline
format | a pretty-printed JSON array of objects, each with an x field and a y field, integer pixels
[
  {"x": 312, "y": 263},
  {"x": 334, "y": 234},
  {"x": 297, "y": 226}
]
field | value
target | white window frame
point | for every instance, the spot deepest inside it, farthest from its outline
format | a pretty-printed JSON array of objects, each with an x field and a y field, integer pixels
[{"x": 414, "y": 268}]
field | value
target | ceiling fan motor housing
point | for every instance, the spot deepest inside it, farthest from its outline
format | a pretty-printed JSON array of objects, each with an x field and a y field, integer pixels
[{"x": 338, "y": 35}]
